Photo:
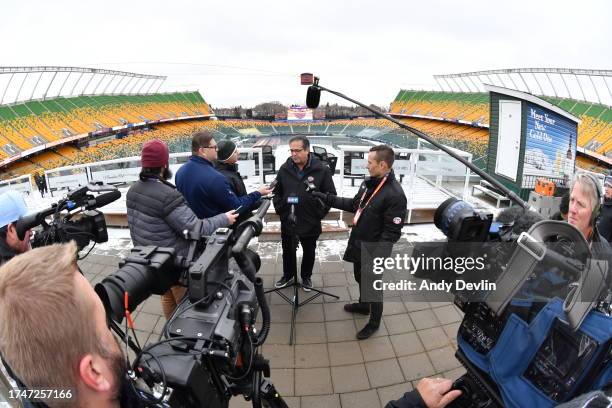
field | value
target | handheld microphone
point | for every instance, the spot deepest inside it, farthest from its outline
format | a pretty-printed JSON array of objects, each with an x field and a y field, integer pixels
[
  {"x": 313, "y": 96},
  {"x": 310, "y": 186},
  {"x": 273, "y": 184}
]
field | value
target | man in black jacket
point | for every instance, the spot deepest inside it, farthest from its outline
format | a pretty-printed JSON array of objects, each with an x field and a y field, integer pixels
[
  {"x": 227, "y": 156},
  {"x": 380, "y": 210},
  {"x": 301, "y": 169},
  {"x": 561, "y": 215},
  {"x": 226, "y": 164}
]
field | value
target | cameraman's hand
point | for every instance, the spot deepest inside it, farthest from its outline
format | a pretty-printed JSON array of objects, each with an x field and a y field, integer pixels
[
  {"x": 231, "y": 216},
  {"x": 436, "y": 392},
  {"x": 265, "y": 190}
]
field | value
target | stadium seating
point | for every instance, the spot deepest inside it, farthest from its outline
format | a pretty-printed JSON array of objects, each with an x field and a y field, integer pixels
[
  {"x": 594, "y": 131},
  {"x": 178, "y": 136},
  {"x": 467, "y": 137},
  {"x": 446, "y": 105},
  {"x": 586, "y": 164},
  {"x": 29, "y": 124}
]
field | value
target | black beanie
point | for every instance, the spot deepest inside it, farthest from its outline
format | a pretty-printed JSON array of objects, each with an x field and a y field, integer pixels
[{"x": 226, "y": 148}]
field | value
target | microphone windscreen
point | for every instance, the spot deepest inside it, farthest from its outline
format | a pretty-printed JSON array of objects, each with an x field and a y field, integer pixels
[
  {"x": 107, "y": 198},
  {"x": 520, "y": 219},
  {"x": 313, "y": 96}
]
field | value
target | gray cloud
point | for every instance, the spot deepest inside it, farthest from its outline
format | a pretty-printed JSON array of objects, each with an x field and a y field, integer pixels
[{"x": 365, "y": 48}]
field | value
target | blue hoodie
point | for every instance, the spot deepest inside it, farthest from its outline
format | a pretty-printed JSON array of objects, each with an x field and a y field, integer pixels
[{"x": 207, "y": 191}]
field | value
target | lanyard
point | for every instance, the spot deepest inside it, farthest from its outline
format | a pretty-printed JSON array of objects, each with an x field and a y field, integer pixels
[{"x": 359, "y": 207}]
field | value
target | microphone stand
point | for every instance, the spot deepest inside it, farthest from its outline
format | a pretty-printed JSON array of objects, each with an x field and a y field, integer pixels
[
  {"x": 295, "y": 301},
  {"x": 509, "y": 193}
]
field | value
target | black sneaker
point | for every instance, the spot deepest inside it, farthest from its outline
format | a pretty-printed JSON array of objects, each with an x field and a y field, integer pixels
[
  {"x": 367, "y": 331},
  {"x": 282, "y": 282},
  {"x": 307, "y": 284},
  {"x": 361, "y": 308}
]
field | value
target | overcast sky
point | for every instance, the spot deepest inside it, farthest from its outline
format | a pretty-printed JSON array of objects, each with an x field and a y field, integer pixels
[{"x": 245, "y": 52}]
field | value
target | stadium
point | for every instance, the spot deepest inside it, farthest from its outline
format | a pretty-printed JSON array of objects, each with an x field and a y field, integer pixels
[
  {"x": 115, "y": 112},
  {"x": 64, "y": 127}
]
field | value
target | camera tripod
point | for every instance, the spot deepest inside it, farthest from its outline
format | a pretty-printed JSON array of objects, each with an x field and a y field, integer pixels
[{"x": 295, "y": 300}]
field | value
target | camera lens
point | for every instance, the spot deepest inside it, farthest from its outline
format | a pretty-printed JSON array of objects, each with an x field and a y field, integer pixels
[
  {"x": 148, "y": 270},
  {"x": 450, "y": 215}
]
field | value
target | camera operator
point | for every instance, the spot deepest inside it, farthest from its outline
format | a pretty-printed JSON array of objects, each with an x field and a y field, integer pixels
[
  {"x": 429, "y": 393},
  {"x": 584, "y": 208},
  {"x": 605, "y": 218},
  {"x": 380, "y": 211},
  {"x": 302, "y": 167},
  {"x": 158, "y": 214},
  {"x": 207, "y": 191},
  {"x": 54, "y": 333},
  {"x": 12, "y": 206}
]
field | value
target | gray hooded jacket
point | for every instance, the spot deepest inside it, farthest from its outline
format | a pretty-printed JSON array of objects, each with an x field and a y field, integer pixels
[{"x": 158, "y": 214}]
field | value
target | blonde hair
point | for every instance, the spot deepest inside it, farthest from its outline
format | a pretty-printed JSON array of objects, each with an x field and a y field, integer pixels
[{"x": 45, "y": 328}]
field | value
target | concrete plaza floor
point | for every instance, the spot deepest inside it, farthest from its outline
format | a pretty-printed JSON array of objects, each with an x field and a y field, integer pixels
[{"x": 328, "y": 366}]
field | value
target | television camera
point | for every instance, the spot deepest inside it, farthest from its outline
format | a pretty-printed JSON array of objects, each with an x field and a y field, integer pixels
[
  {"x": 544, "y": 335},
  {"x": 208, "y": 351},
  {"x": 75, "y": 217}
]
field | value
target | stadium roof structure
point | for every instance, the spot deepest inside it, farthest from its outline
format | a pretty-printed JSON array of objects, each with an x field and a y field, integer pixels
[
  {"x": 580, "y": 84},
  {"x": 21, "y": 84}
]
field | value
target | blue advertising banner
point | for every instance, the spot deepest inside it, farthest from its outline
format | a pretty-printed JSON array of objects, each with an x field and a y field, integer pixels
[{"x": 550, "y": 144}]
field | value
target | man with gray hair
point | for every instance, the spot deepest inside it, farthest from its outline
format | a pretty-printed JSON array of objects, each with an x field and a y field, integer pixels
[
  {"x": 584, "y": 208},
  {"x": 604, "y": 224},
  {"x": 585, "y": 205}
]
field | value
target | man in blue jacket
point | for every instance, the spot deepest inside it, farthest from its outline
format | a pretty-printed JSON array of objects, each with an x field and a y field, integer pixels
[{"x": 207, "y": 191}]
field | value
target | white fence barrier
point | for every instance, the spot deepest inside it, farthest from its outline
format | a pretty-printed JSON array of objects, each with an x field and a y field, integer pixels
[
  {"x": 22, "y": 184},
  {"x": 422, "y": 163},
  {"x": 126, "y": 170}
]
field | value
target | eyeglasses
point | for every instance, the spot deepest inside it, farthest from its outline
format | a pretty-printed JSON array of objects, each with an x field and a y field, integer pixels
[
  {"x": 295, "y": 150},
  {"x": 211, "y": 147}
]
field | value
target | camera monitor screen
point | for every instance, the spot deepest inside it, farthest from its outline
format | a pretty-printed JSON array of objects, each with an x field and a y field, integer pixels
[{"x": 561, "y": 361}]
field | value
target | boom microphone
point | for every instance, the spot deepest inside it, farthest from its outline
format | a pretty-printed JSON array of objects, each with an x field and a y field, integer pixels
[
  {"x": 313, "y": 96},
  {"x": 520, "y": 219},
  {"x": 312, "y": 101},
  {"x": 103, "y": 199}
]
